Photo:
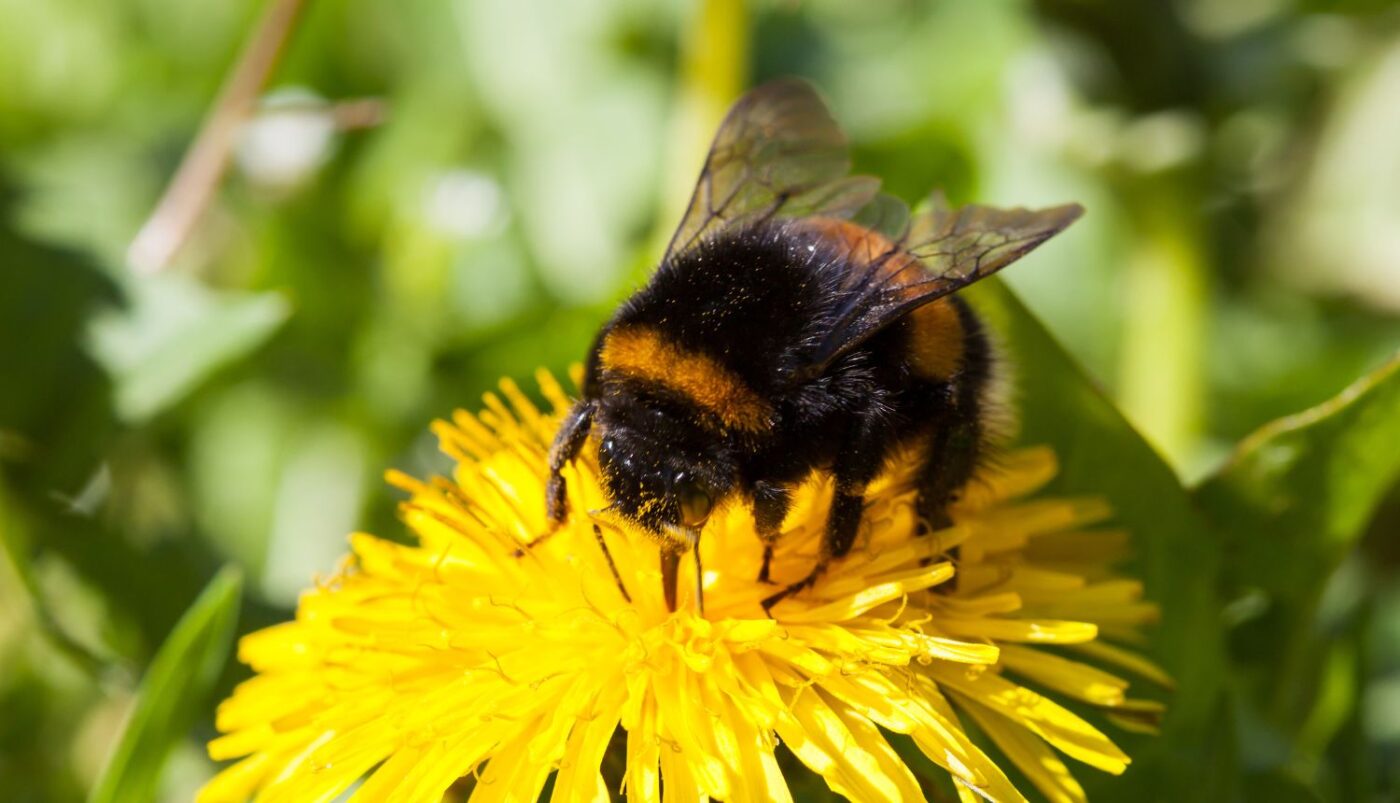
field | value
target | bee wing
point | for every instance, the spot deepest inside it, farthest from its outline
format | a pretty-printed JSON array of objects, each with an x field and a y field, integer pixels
[
  {"x": 887, "y": 215},
  {"x": 950, "y": 249},
  {"x": 777, "y": 153}
]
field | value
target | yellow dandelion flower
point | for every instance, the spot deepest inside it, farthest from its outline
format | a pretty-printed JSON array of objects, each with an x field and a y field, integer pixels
[{"x": 478, "y": 658}]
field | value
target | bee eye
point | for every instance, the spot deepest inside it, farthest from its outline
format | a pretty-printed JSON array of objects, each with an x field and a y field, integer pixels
[
  {"x": 694, "y": 500},
  {"x": 608, "y": 446}
]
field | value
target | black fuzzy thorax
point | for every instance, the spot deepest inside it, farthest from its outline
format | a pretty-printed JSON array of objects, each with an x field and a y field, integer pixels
[
  {"x": 753, "y": 299},
  {"x": 759, "y": 301}
]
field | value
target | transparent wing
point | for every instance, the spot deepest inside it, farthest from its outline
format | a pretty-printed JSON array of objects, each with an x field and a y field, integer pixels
[
  {"x": 942, "y": 250},
  {"x": 959, "y": 246},
  {"x": 885, "y": 215},
  {"x": 777, "y": 153}
]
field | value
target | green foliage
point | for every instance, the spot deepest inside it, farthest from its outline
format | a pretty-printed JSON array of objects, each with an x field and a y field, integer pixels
[
  {"x": 172, "y": 334},
  {"x": 1297, "y": 494},
  {"x": 1290, "y": 505},
  {"x": 174, "y": 693}
]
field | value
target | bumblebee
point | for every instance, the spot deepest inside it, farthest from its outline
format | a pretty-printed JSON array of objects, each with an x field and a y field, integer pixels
[{"x": 799, "y": 321}]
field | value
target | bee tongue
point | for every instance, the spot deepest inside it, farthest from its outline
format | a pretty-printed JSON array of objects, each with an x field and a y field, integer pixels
[
  {"x": 670, "y": 565},
  {"x": 670, "y": 562}
]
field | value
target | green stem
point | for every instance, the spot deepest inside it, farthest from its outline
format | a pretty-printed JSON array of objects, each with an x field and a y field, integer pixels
[
  {"x": 714, "y": 70},
  {"x": 1162, "y": 374}
]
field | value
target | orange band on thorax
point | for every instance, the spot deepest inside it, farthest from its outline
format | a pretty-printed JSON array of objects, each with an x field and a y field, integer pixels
[{"x": 644, "y": 353}]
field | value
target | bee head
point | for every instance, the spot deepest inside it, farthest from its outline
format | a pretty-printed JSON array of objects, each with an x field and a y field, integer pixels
[{"x": 658, "y": 475}]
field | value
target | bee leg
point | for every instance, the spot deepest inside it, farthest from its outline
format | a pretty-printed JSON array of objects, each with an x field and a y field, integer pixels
[
  {"x": 768, "y": 540},
  {"x": 840, "y": 535},
  {"x": 805, "y": 582},
  {"x": 573, "y": 433},
  {"x": 770, "y": 506},
  {"x": 860, "y": 462},
  {"x": 841, "y": 528},
  {"x": 952, "y": 459},
  {"x": 568, "y": 442}
]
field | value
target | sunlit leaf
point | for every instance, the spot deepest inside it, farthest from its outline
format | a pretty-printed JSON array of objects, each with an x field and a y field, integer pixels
[
  {"x": 16, "y": 570},
  {"x": 173, "y": 334},
  {"x": 173, "y": 694},
  {"x": 1300, "y": 491},
  {"x": 1291, "y": 502},
  {"x": 54, "y": 401}
]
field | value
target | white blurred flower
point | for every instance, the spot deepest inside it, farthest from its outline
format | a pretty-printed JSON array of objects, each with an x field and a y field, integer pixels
[
  {"x": 291, "y": 136},
  {"x": 465, "y": 204}
]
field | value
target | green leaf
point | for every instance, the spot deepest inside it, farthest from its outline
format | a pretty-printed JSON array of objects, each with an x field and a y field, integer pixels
[
  {"x": 1298, "y": 493},
  {"x": 16, "y": 571},
  {"x": 55, "y": 408},
  {"x": 1176, "y": 553},
  {"x": 1277, "y": 787},
  {"x": 174, "y": 334},
  {"x": 1291, "y": 502},
  {"x": 173, "y": 693}
]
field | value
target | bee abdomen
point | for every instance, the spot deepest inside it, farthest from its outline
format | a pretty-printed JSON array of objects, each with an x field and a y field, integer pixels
[{"x": 938, "y": 347}]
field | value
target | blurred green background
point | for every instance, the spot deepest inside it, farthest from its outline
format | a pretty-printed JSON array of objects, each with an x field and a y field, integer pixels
[{"x": 431, "y": 194}]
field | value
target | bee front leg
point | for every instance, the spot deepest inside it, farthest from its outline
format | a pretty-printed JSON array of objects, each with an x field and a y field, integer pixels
[
  {"x": 771, "y": 501},
  {"x": 572, "y": 434},
  {"x": 568, "y": 442}
]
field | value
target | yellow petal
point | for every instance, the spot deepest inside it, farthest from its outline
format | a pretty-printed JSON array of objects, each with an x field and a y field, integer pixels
[
  {"x": 1078, "y": 680},
  {"x": 511, "y": 775},
  {"x": 758, "y": 777},
  {"x": 580, "y": 778},
  {"x": 643, "y": 754},
  {"x": 682, "y": 725},
  {"x": 1137, "y": 716},
  {"x": 1101, "y": 650},
  {"x": 678, "y": 784},
  {"x": 860, "y": 767},
  {"x": 1021, "y": 630},
  {"x": 1067, "y": 732},
  {"x": 1030, "y": 753},
  {"x": 858, "y": 603},
  {"x": 944, "y": 742},
  {"x": 236, "y": 783}
]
